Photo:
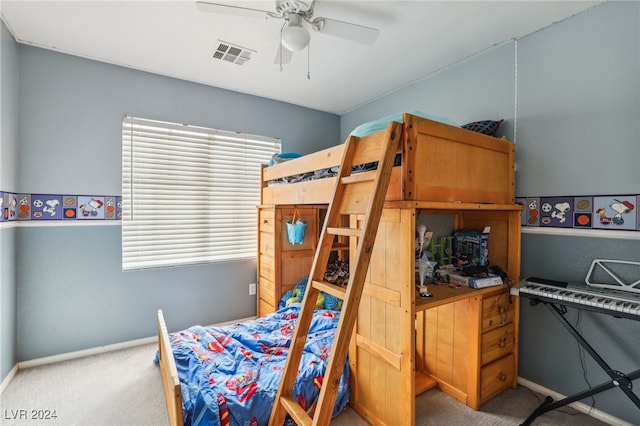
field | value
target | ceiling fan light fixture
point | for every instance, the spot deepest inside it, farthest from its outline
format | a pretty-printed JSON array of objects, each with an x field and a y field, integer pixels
[{"x": 294, "y": 36}]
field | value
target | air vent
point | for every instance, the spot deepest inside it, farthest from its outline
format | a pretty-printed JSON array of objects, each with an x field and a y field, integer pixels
[{"x": 233, "y": 53}]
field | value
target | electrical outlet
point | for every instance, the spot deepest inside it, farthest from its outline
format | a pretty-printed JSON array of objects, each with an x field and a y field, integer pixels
[{"x": 252, "y": 289}]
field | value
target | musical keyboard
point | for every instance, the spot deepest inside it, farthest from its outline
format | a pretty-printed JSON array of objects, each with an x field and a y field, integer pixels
[
  {"x": 556, "y": 296},
  {"x": 612, "y": 302}
]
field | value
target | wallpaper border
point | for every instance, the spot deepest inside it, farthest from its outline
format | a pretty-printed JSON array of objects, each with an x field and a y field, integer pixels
[
  {"x": 610, "y": 212},
  {"x": 51, "y": 207}
]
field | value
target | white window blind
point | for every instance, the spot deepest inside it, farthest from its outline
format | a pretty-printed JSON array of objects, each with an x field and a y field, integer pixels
[{"x": 189, "y": 193}]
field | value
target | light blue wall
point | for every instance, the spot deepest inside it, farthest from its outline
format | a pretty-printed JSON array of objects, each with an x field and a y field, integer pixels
[
  {"x": 8, "y": 160},
  {"x": 578, "y": 133},
  {"x": 71, "y": 292},
  {"x": 579, "y": 103},
  {"x": 573, "y": 108},
  {"x": 73, "y": 295},
  {"x": 479, "y": 89},
  {"x": 71, "y": 113}
]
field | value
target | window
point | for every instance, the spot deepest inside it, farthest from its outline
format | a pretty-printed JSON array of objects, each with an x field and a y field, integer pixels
[{"x": 189, "y": 193}]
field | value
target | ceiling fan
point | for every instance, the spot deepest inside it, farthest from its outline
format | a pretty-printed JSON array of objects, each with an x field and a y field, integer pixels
[{"x": 296, "y": 13}]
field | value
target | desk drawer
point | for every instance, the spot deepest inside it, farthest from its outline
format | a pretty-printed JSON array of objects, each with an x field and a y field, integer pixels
[
  {"x": 264, "y": 307},
  {"x": 267, "y": 220},
  {"x": 267, "y": 290},
  {"x": 496, "y": 310},
  {"x": 267, "y": 267},
  {"x": 496, "y": 343},
  {"x": 267, "y": 244},
  {"x": 496, "y": 377}
]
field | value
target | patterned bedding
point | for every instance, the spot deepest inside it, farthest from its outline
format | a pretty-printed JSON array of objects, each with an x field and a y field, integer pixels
[
  {"x": 331, "y": 172},
  {"x": 230, "y": 375}
]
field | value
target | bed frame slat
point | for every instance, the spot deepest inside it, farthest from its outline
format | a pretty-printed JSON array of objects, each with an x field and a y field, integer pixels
[{"x": 170, "y": 381}]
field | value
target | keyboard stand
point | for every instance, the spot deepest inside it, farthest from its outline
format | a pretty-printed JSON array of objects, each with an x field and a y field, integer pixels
[{"x": 618, "y": 379}]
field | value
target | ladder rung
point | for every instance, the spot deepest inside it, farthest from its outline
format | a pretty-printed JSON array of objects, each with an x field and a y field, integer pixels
[
  {"x": 327, "y": 287},
  {"x": 359, "y": 177},
  {"x": 296, "y": 412},
  {"x": 346, "y": 232}
]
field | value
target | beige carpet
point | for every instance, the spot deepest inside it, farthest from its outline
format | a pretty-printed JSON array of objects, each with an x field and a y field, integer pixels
[{"x": 124, "y": 387}]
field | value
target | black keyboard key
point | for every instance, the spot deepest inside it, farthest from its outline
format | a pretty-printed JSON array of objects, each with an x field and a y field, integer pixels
[{"x": 545, "y": 281}]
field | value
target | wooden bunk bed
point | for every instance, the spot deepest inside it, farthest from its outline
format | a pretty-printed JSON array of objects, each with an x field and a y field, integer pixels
[{"x": 462, "y": 340}]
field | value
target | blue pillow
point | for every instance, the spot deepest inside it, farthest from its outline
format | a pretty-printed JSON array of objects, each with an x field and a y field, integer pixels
[
  {"x": 282, "y": 157},
  {"x": 382, "y": 123}
]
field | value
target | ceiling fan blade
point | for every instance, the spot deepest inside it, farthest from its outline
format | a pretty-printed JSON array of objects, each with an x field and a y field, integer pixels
[
  {"x": 345, "y": 30},
  {"x": 283, "y": 52},
  {"x": 227, "y": 9}
]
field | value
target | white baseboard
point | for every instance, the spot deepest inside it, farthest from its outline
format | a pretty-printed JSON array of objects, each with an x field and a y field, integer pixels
[
  {"x": 102, "y": 349},
  {"x": 7, "y": 380},
  {"x": 579, "y": 406},
  {"x": 85, "y": 352},
  {"x": 88, "y": 352}
]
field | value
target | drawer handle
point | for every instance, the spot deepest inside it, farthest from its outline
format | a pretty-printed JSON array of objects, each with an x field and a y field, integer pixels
[
  {"x": 502, "y": 342},
  {"x": 502, "y": 377}
]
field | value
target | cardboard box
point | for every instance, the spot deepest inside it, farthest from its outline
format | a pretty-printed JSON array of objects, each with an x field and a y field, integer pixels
[
  {"x": 476, "y": 282},
  {"x": 471, "y": 248}
]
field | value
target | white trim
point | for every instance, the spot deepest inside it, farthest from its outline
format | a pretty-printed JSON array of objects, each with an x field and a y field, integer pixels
[
  {"x": 7, "y": 380},
  {"x": 102, "y": 349},
  {"x": 83, "y": 353},
  {"x": 570, "y": 232},
  {"x": 8, "y": 225},
  {"x": 574, "y": 232},
  {"x": 580, "y": 406},
  {"x": 59, "y": 223}
]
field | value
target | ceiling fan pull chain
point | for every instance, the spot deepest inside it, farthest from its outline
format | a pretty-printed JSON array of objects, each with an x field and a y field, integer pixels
[
  {"x": 308, "y": 60},
  {"x": 280, "y": 47}
]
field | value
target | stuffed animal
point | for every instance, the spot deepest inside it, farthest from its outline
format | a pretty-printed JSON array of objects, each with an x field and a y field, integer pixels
[{"x": 296, "y": 294}]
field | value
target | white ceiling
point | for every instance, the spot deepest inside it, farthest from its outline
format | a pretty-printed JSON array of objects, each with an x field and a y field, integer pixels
[{"x": 174, "y": 38}]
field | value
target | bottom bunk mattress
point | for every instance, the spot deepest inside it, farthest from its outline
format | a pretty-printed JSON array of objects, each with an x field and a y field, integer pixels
[{"x": 230, "y": 375}]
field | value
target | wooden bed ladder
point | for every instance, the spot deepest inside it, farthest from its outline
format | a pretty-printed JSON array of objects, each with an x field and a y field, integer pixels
[{"x": 358, "y": 193}]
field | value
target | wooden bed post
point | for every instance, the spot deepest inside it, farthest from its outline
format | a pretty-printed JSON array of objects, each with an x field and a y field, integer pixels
[{"x": 170, "y": 381}]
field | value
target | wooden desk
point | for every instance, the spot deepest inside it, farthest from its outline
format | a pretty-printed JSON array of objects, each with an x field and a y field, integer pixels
[
  {"x": 465, "y": 342},
  {"x": 443, "y": 294}
]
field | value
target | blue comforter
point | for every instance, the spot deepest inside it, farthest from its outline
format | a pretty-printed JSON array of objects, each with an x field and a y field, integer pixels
[{"x": 230, "y": 375}]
